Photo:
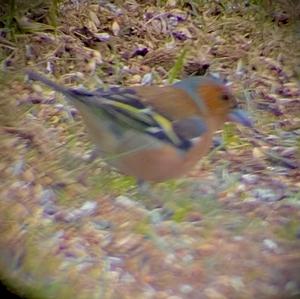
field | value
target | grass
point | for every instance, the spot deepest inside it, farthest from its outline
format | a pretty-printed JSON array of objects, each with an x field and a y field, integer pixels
[{"x": 238, "y": 41}]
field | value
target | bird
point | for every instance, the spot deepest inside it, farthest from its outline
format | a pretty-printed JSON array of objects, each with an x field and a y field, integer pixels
[{"x": 154, "y": 133}]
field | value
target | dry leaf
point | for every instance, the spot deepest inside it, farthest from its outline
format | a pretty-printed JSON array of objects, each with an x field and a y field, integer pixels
[{"x": 115, "y": 28}]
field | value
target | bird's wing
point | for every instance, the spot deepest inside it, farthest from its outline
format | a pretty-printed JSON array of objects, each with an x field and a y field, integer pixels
[
  {"x": 127, "y": 108},
  {"x": 190, "y": 127},
  {"x": 167, "y": 115}
]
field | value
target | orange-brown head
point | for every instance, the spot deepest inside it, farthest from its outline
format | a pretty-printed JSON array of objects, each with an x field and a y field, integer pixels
[{"x": 214, "y": 99}]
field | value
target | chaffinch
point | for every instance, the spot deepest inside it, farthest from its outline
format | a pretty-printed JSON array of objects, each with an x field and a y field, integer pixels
[{"x": 150, "y": 132}]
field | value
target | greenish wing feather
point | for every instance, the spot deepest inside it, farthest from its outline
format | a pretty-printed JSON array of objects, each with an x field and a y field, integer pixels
[{"x": 128, "y": 110}]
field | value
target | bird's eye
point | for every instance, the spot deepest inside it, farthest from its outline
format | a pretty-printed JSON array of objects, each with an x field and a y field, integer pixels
[{"x": 225, "y": 97}]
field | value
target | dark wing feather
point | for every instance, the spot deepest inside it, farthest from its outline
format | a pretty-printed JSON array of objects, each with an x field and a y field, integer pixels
[{"x": 126, "y": 108}]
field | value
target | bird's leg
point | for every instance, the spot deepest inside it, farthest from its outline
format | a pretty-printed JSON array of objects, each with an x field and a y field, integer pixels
[
  {"x": 148, "y": 195},
  {"x": 143, "y": 187}
]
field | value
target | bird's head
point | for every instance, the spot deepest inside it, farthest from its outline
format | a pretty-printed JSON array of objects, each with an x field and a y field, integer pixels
[{"x": 215, "y": 100}]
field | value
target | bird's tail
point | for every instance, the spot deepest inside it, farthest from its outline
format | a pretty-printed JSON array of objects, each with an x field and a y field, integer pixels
[{"x": 37, "y": 77}]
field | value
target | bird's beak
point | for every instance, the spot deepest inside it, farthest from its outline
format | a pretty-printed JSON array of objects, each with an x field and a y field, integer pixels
[{"x": 241, "y": 117}]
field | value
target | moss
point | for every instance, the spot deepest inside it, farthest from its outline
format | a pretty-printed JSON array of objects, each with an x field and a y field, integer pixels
[
  {"x": 180, "y": 213},
  {"x": 108, "y": 181},
  {"x": 290, "y": 230},
  {"x": 144, "y": 228}
]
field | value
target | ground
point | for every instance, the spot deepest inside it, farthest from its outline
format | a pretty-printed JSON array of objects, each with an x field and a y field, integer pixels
[{"x": 71, "y": 227}]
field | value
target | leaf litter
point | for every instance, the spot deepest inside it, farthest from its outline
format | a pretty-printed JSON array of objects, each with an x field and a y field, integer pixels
[{"x": 72, "y": 227}]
